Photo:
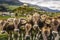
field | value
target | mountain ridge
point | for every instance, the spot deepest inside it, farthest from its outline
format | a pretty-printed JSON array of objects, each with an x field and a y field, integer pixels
[
  {"x": 44, "y": 8},
  {"x": 10, "y": 2},
  {"x": 18, "y": 3}
]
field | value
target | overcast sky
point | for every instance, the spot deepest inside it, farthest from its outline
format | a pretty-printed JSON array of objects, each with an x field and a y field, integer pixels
[{"x": 52, "y": 4}]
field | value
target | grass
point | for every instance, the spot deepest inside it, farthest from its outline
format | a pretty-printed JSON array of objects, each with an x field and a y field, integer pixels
[
  {"x": 11, "y": 7},
  {"x": 3, "y": 36},
  {"x": 4, "y": 17}
]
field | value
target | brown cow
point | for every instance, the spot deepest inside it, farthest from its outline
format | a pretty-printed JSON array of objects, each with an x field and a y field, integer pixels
[
  {"x": 8, "y": 27},
  {"x": 21, "y": 27},
  {"x": 55, "y": 25},
  {"x": 36, "y": 24},
  {"x": 47, "y": 28},
  {"x": 28, "y": 27}
]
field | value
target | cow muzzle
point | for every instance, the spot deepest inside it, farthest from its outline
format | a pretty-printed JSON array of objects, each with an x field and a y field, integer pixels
[{"x": 16, "y": 30}]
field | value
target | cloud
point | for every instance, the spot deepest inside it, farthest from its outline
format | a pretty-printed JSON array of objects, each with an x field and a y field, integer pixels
[{"x": 52, "y": 4}]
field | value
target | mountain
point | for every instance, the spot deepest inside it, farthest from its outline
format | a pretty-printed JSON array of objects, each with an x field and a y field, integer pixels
[
  {"x": 17, "y": 2},
  {"x": 51, "y": 4},
  {"x": 10, "y": 2},
  {"x": 43, "y": 8},
  {"x": 49, "y": 10}
]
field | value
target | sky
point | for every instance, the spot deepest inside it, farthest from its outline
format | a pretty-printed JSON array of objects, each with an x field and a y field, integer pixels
[{"x": 52, "y": 4}]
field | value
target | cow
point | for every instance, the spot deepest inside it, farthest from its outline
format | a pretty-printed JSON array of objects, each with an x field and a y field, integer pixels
[
  {"x": 58, "y": 19},
  {"x": 36, "y": 24},
  {"x": 10, "y": 26},
  {"x": 42, "y": 20},
  {"x": 28, "y": 27},
  {"x": 47, "y": 28},
  {"x": 7, "y": 27},
  {"x": 55, "y": 25},
  {"x": 58, "y": 28},
  {"x": 29, "y": 19},
  {"x": 21, "y": 27},
  {"x": 1, "y": 25}
]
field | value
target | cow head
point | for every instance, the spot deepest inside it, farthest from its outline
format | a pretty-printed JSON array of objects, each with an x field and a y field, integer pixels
[
  {"x": 29, "y": 18},
  {"x": 43, "y": 17},
  {"x": 36, "y": 17}
]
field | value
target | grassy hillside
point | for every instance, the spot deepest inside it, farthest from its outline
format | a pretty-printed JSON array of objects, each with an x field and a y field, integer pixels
[
  {"x": 30, "y": 10},
  {"x": 22, "y": 11},
  {"x": 8, "y": 7},
  {"x": 11, "y": 7}
]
